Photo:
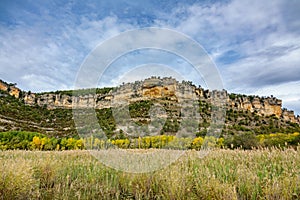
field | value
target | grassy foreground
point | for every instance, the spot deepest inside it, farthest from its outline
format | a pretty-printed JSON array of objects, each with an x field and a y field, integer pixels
[{"x": 223, "y": 174}]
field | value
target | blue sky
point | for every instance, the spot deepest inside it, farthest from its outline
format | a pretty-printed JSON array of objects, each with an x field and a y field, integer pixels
[{"x": 255, "y": 44}]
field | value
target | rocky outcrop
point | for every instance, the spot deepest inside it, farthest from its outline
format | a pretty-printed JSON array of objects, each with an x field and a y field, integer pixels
[
  {"x": 29, "y": 98},
  {"x": 155, "y": 88},
  {"x": 262, "y": 106},
  {"x": 10, "y": 88},
  {"x": 288, "y": 115},
  {"x": 53, "y": 101},
  {"x": 3, "y": 86}
]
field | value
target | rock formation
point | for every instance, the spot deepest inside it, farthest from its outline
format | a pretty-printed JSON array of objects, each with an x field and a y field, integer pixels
[
  {"x": 154, "y": 88},
  {"x": 10, "y": 88}
]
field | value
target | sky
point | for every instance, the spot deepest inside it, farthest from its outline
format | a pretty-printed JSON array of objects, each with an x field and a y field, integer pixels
[{"x": 254, "y": 44}]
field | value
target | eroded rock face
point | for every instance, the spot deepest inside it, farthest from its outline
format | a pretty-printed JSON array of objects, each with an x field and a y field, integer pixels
[
  {"x": 10, "y": 88},
  {"x": 155, "y": 88},
  {"x": 272, "y": 106},
  {"x": 29, "y": 98},
  {"x": 3, "y": 86},
  {"x": 159, "y": 91},
  {"x": 262, "y": 106},
  {"x": 289, "y": 115},
  {"x": 53, "y": 101},
  {"x": 14, "y": 91}
]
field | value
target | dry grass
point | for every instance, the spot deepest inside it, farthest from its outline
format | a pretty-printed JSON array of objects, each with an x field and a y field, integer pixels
[{"x": 223, "y": 174}]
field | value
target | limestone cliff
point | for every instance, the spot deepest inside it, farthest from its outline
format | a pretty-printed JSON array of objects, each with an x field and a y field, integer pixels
[
  {"x": 10, "y": 88},
  {"x": 262, "y": 106},
  {"x": 154, "y": 88}
]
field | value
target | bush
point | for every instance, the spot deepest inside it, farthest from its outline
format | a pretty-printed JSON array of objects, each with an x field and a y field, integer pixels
[
  {"x": 279, "y": 139},
  {"x": 245, "y": 140},
  {"x": 17, "y": 139}
]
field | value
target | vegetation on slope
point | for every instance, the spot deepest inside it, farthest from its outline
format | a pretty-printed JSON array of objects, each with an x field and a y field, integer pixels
[{"x": 15, "y": 115}]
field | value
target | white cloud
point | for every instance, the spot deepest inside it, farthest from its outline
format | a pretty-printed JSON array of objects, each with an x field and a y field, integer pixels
[
  {"x": 33, "y": 51},
  {"x": 267, "y": 48}
]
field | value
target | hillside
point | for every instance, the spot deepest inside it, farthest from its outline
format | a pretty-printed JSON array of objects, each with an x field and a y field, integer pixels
[{"x": 50, "y": 113}]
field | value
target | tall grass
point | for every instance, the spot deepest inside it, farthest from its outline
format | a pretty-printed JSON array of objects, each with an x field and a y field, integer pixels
[{"x": 223, "y": 174}]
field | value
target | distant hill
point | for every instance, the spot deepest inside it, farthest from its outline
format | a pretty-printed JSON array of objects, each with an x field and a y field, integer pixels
[{"x": 51, "y": 112}]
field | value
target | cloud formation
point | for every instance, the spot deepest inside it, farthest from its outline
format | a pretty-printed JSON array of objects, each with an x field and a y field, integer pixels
[{"x": 255, "y": 44}]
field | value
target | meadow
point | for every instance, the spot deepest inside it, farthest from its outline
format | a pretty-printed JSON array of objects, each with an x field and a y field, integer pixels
[{"x": 271, "y": 173}]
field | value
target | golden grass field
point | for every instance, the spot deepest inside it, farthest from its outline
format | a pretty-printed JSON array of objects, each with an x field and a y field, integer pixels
[{"x": 222, "y": 174}]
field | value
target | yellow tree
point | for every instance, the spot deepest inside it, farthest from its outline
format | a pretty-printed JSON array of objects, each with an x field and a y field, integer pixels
[{"x": 36, "y": 142}]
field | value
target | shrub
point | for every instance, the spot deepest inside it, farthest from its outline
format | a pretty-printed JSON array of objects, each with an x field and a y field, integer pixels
[
  {"x": 279, "y": 139},
  {"x": 245, "y": 140}
]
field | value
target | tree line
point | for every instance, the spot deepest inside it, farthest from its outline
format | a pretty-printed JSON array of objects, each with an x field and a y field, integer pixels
[{"x": 35, "y": 141}]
